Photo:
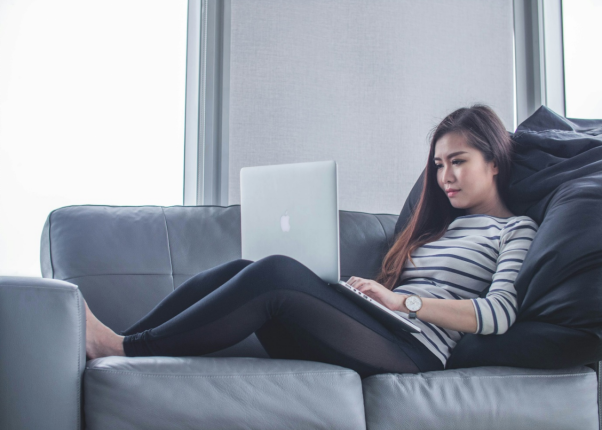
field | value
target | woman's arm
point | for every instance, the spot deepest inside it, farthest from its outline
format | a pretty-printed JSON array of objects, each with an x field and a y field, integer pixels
[
  {"x": 497, "y": 311},
  {"x": 456, "y": 315}
]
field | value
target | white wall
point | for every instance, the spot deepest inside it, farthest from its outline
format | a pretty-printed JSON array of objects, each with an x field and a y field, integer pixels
[{"x": 91, "y": 112}]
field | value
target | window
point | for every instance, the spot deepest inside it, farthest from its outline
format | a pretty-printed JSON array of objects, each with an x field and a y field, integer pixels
[
  {"x": 92, "y": 99},
  {"x": 582, "y": 62}
]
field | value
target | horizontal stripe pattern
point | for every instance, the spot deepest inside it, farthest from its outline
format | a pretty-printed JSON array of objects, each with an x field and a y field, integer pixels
[{"x": 477, "y": 252}]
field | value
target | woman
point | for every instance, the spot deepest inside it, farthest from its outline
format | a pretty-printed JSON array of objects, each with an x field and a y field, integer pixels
[{"x": 460, "y": 240}]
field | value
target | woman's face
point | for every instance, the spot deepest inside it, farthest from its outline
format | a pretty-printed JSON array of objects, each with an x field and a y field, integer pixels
[{"x": 463, "y": 168}]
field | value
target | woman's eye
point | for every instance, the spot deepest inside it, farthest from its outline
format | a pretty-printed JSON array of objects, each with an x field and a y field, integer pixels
[{"x": 453, "y": 161}]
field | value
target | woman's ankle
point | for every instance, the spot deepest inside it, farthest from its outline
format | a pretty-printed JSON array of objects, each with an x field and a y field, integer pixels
[{"x": 118, "y": 346}]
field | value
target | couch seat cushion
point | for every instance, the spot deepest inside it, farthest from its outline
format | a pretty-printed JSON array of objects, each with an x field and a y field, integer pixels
[
  {"x": 220, "y": 393},
  {"x": 478, "y": 398}
]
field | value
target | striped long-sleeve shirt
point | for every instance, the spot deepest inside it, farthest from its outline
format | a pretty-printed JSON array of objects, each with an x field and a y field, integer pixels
[{"x": 475, "y": 252}]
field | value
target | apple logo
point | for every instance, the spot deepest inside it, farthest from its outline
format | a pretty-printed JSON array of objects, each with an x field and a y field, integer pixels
[{"x": 284, "y": 223}]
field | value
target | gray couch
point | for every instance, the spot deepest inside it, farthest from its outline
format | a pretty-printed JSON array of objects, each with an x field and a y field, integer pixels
[{"x": 124, "y": 260}]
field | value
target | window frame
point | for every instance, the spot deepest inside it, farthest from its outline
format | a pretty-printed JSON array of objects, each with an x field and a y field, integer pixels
[
  {"x": 207, "y": 103},
  {"x": 539, "y": 57}
]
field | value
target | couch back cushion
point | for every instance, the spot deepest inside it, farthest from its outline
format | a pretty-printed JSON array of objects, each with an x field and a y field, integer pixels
[{"x": 125, "y": 259}]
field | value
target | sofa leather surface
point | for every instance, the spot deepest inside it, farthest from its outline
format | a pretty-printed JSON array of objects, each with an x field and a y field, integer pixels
[
  {"x": 126, "y": 259},
  {"x": 122, "y": 273},
  {"x": 492, "y": 398},
  {"x": 202, "y": 237},
  {"x": 118, "y": 257},
  {"x": 364, "y": 240},
  {"x": 42, "y": 354},
  {"x": 220, "y": 393}
]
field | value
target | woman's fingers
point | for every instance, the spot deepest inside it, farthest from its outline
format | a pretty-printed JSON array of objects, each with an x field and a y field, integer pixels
[
  {"x": 363, "y": 285},
  {"x": 370, "y": 288}
]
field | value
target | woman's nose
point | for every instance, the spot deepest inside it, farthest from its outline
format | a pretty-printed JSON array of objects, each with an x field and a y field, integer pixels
[{"x": 448, "y": 176}]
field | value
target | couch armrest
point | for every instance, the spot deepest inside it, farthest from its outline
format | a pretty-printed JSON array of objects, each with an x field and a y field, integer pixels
[{"x": 42, "y": 354}]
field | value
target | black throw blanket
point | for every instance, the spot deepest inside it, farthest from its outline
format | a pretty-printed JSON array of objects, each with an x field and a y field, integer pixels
[{"x": 557, "y": 181}]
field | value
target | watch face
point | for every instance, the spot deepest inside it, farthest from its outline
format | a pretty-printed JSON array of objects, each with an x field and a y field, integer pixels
[{"x": 413, "y": 303}]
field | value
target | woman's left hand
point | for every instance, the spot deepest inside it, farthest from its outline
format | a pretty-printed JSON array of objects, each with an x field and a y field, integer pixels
[{"x": 378, "y": 292}]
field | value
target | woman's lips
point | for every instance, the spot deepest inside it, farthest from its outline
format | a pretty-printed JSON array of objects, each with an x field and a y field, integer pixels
[{"x": 452, "y": 193}]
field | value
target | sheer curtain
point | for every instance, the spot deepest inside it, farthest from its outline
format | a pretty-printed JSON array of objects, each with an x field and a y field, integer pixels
[
  {"x": 362, "y": 83},
  {"x": 91, "y": 112}
]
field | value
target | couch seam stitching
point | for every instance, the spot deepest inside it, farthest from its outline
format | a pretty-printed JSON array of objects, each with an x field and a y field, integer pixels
[
  {"x": 50, "y": 242},
  {"x": 491, "y": 377},
  {"x": 384, "y": 231},
  {"x": 173, "y": 284},
  {"x": 118, "y": 274},
  {"x": 64, "y": 289},
  {"x": 79, "y": 372},
  {"x": 195, "y": 207},
  {"x": 163, "y": 375},
  {"x": 599, "y": 394}
]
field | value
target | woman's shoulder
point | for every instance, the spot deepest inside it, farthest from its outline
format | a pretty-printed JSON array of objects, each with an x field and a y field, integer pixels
[
  {"x": 519, "y": 230},
  {"x": 521, "y": 220}
]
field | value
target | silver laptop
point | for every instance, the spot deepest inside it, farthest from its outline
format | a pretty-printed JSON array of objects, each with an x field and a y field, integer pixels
[{"x": 293, "y": 210}]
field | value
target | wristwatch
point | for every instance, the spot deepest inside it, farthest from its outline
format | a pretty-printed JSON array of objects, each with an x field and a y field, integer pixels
[{"x": 413, "y": 303}]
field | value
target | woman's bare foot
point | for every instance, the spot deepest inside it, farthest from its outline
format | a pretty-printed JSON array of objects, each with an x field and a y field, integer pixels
[{"x": 101, "y": 341}]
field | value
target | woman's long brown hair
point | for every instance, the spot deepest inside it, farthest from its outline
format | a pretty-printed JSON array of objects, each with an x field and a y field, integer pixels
[{"x": 433, "y": 214}]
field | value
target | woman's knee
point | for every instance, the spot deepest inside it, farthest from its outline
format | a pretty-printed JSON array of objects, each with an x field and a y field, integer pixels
[
  {"x": 279, "y": 262},
  {"x": 281, "y": 268},
  {"x": 242, "y": 262}
]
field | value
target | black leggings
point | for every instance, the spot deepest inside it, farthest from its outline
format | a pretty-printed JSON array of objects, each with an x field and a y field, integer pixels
[{"x": 293, "y": 312}]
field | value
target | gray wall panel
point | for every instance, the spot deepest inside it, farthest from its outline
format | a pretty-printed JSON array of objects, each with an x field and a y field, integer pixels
[{"x": 361, "y": 82}]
